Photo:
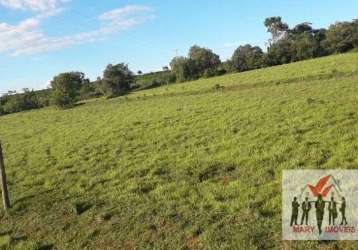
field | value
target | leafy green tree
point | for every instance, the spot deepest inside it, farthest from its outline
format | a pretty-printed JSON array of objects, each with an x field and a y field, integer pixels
[
  {"x": 88, "y": 90},
  {"x": 226, "y": 67},
  {"x": 342, "y": 37},
  {"x": 205, "y": 59},
  {"x": 302, "y": 28},
  {"x": 302, "y": 47},
  {"x": 200, "y": 62},
  {"x": 15, "y": 103},
  {"x": 280, "y": 52},
  {"x": 319, "y": 38},
  {"x": 276, "y": 27},
  {"x": 116, "y": 80},
  {"x": 355, "y": 33},
  {"x": 185, "y": 69},
  {"x": 247, "y": 57},
  {"x": 66, "y": 88},
  {"x": 300, "y": 43}
]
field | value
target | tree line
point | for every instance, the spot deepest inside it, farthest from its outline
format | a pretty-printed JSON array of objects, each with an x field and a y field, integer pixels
[{"x": 286, "y": 45}]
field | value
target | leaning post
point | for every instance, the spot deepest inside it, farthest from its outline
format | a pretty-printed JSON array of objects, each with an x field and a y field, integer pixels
[{"x": 5, "y": 191}]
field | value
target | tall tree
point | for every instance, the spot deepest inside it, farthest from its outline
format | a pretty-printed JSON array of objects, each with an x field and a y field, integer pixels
[
  {"x": 247, "y": 57},
  {"x": 302, "y": 46},
  {"x": 300, "y": 43},
  {"x": 342, "y": 37},
  {"x": 185, "y": 69},
  {"x": 205, "y": 59},
  {"x": 276, "y": 27},
  {"x": 280, "y": 52},
  {"x": 319, "y": 37},
  {"x": 66, "y": 88},
  {"x": 302, "y": 28},
  {"x": 116, "y": 80}
]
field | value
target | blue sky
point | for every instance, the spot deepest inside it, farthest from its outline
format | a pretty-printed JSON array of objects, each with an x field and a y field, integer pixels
[{"x": 41, "y": 38}]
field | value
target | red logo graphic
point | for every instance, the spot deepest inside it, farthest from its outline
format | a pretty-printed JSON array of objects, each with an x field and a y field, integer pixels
[{"x": 319, "y": 188}]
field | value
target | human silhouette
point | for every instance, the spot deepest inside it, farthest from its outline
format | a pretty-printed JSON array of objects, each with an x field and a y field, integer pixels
[
  {"x": 343, "y": 211},
  {"x": 319, "y": 205},
  {"x": 332, "y": 211},
  {"x": 294, "y": 216},
  {"x": 306, "y": 207}
]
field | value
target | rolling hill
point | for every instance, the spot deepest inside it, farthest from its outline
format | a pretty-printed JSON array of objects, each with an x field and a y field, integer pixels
[{"x": 194, "y": 165}]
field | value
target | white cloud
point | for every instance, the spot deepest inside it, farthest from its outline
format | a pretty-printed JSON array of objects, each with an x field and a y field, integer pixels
[
  {"x": 124, "y": 18},
  {"x": 33, "y": 5},
  {"x": 119, "y": 13},
  {"x": 27, "y": 38}
]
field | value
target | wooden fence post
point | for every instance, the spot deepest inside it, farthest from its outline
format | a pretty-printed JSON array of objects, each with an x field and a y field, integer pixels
[{"x": 5, "y": 192}]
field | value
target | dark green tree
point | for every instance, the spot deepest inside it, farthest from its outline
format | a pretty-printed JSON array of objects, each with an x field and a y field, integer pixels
[
  {"x": 116, "y": 80},
  {"x": 88, "y": 90},
  {"x": 185, "y": 69},
  {"x": 342, "y": 37},
  {"x": 280, "y": 52},
  {"x": 302, "y": 28},
  {"x": 302, "y": 46},
  {"x": 319, "y": 37},
  {"x": 205, "y": 59},
  {"x": 247, "y": 57},
  {"x": 276, "y": 27},
  {"x": 66, "y": 88}
]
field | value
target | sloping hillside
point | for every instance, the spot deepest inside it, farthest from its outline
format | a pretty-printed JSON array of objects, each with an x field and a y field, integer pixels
[{"x": 187, "y": 166}]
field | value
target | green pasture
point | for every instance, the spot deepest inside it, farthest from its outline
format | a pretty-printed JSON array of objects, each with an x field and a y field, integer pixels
[{"x": 193, "y": 165}]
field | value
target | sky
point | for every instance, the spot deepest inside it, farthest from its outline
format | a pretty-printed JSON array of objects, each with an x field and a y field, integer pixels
[{"x": 42, "y": 38}]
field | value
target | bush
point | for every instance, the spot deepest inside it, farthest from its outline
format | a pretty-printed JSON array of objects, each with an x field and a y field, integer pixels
[{"x": 12, "y": 103}]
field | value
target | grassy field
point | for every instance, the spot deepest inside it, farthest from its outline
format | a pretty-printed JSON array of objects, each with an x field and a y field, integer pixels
[{"x": 186, "y": 166}]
